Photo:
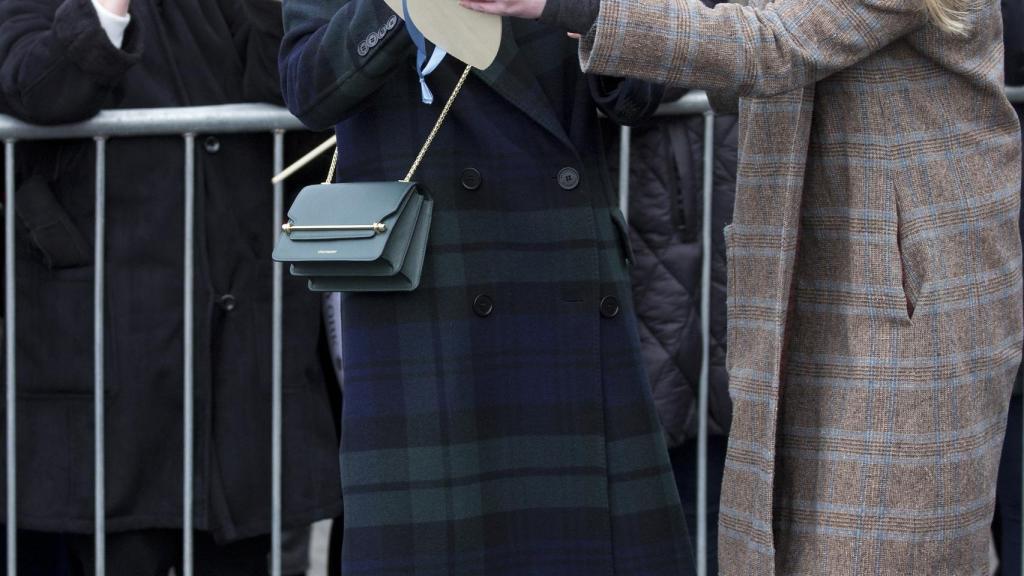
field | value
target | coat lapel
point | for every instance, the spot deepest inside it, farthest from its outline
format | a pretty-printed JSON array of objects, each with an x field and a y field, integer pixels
[{"x": 511, "y": 77}]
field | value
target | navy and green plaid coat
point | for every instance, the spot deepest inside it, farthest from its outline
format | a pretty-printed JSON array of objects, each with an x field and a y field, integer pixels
[{"x": 497, "y": 419}]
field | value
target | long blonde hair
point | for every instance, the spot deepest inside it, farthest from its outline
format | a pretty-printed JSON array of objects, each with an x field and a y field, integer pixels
[{"x": 949, "y": 15}]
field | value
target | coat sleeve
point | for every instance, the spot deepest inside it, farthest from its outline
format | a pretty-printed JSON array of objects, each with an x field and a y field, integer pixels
[
  {"x": 256, "y": 31},
  {"x": 56, "y": 62},
  {"x": 336, "y": 53},
  {"x": 750, "y": 51}
]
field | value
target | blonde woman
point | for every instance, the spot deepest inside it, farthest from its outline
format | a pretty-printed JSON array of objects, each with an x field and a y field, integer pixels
[{"x": 875, "y": 282}]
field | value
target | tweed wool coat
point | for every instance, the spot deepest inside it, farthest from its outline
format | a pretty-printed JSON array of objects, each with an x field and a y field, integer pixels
[
  {"x": 874, "y": 273},
  {"x": 496, "y": 420}
]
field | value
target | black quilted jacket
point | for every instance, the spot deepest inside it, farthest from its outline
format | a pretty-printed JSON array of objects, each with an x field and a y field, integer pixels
[{"x": 665, "y": 218}]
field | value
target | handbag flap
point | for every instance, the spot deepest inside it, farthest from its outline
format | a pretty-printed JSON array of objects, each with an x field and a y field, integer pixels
[
  {"x": 393, "y": 204},
  {"x": 349, "y": 204}
]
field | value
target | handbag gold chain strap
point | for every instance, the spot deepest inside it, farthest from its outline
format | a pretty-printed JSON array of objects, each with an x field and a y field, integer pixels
[{"x": 430, "y": 138}]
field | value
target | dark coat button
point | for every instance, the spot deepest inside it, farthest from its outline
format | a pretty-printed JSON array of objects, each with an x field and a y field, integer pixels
[
  {"x": 212, "y": 144},
  {"x": 609, "y": 307},
  {"x": 471, "y": 179},
  {"x": 227, "y": 302},
  {"x": 483, "y": 306},
  {"x": 568, "y": 178}
]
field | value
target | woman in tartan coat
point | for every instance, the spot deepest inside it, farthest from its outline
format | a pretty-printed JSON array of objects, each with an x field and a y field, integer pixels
[
  {"x": 875, "y": 273},
  {"x": 497, "y": 419}
]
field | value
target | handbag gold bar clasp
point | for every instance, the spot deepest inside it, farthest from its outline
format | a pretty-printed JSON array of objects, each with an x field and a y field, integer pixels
[{"x": 376, "y": 227}]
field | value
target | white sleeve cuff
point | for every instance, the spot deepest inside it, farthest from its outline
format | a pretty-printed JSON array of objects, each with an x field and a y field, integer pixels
[{"x": 113, "y": 24}]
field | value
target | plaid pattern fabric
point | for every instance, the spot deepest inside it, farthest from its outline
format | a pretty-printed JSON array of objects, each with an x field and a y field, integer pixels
[
  {"x": 496, "y": 420},
  {"x": 874, "y": 282}
]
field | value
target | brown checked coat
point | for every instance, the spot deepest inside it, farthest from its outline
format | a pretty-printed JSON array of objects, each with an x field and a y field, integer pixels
[{"x": 875, "y": 282}]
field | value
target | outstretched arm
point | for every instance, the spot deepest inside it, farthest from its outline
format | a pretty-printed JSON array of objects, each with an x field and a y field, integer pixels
[{"x": 750, "y": 51}]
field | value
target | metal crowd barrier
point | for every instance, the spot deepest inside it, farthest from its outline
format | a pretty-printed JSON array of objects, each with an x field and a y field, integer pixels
[
  {"x": 260, "y": 118},
  {"x": 186, "y": 122}
]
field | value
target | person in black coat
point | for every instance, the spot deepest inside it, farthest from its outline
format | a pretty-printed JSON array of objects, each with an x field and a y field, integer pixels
[{"x": 58, "y": 64}]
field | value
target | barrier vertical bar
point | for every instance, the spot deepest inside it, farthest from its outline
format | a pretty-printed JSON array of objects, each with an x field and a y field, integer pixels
[
  {"x": 9, "y": 332},
  {"x": 98, "y": 358},
  {"x": 276, "y": 331},
  {"x": 705, "y": 348},
  {"x": 189, "y": 337},
  {"x": 625, "y": 141}
]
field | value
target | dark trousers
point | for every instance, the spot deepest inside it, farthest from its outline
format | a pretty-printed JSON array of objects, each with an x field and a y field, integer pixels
[
  {"x": 1006, "y": 528},
  {"x": 684, "y": 464}
]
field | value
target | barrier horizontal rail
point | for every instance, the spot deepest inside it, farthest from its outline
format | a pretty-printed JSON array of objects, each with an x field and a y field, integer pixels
[
  {"x": 186, "y": 122},
  {"x": 221, "y": 119},
  {"x": 242, "y": 118}
]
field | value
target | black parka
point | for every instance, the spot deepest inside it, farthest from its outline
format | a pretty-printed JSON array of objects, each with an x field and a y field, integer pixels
[{"x": 56, "y": 65}]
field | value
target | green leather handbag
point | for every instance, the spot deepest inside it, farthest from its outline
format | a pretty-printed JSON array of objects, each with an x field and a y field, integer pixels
[{"x": 361, "y": 237}]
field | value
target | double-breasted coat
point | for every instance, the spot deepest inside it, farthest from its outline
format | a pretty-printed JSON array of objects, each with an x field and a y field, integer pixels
[
  {"x": 874, "y": 276},
  {"x": 57, "y": 65},
  {"x": 497, "y": 419}
]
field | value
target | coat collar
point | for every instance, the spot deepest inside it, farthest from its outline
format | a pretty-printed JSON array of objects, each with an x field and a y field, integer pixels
[{"x": 511, "y": 77}]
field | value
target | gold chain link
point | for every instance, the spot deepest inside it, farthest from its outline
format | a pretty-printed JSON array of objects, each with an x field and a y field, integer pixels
[
  {"x": 430, "y": 138},
  {"x": 437, "y": 126},
  {"x": 334, "y": 165}
]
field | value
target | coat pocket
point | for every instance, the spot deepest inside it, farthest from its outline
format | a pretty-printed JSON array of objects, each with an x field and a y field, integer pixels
[
  {"x": 910, "y": 286},
  {"x": 686, "y": 189},
  {"x": 910, "y": 281},
  {"x": 56, "y": 238}
]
